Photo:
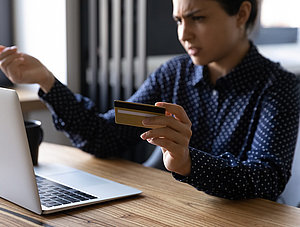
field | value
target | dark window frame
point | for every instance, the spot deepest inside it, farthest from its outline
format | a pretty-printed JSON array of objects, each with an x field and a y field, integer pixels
[
  {"x": 277, "y": 35},
  {"x": 6, "y": 34}
]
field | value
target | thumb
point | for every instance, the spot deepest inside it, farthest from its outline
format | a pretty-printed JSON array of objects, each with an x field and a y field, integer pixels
[{"x": 2, "y": 48}]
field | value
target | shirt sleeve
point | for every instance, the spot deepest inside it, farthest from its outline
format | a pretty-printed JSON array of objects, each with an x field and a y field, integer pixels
[
  {"x": 89, "y": 130},
  {"x": 266, "y": 167}
]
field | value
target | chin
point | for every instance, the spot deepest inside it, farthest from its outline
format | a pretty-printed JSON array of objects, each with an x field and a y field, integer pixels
[{"x": 199, "y": 61}]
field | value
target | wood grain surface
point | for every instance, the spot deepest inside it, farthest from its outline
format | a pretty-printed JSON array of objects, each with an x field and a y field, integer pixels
[{"x": 164, "y": 201}]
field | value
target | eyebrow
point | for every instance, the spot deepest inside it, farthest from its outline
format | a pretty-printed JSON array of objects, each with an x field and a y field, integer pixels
[{"x": 189, "y": 14}]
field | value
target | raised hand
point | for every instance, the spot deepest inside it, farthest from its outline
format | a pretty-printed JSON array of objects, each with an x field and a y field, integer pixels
[
  {"x": 23, "y": 68},
  {"x": 173, "y": 137}
]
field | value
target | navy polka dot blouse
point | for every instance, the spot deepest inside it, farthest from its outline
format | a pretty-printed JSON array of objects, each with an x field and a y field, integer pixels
[{"x": 244, "y": 128}]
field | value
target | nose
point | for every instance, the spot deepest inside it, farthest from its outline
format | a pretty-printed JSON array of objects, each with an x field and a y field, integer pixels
[{"x": 185, "y": 33}]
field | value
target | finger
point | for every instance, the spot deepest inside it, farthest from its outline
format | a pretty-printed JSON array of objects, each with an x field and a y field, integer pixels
[
  {"x": 13, "y": 71},
  {"x": 170, "y": 122},
  {"x": 163, "y": 121},
  {"x": 165, "y": 144},
  {"x": 167, "y": 133},
  {"x": 15, "y": 65},
  {"x": 8, "y": 51},
  {"x": 2, "y": 48},
  {"x": 175, "y": 110},
  {"x": 174, "y": 149},
  {"x": 4, "y": 63}
]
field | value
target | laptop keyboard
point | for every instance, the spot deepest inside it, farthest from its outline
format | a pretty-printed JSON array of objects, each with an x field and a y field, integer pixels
[{"x": 55, "y": 194}]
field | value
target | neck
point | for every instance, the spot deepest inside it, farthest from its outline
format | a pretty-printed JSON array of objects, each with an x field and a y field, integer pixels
[{"x": 223, "y": 66}]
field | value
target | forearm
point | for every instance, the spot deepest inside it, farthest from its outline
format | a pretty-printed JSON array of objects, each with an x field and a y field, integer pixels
[
  {"x": 88, "y": 130},
  {"x": 227, "y": 177}
]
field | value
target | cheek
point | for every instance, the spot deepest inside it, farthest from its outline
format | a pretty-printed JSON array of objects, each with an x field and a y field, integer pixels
[
  {"x": 219, "y": 38},
  {"x": 229, "y": 31},
  {"x": 179, "y": 33},
  {"x": 179, "y": 36}
]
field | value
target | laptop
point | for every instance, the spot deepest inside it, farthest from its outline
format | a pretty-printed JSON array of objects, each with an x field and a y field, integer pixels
[{"x": 46, "y": 188}]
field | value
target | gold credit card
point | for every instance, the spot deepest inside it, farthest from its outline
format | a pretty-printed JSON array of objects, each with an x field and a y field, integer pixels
[{"x": 130, "y": 113}]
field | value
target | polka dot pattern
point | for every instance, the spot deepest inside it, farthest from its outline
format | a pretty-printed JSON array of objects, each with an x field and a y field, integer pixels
[{"x": 244, "y": 127}]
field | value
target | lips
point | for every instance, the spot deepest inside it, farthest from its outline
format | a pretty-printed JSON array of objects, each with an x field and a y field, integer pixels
[{"x": 193, "y": 51}]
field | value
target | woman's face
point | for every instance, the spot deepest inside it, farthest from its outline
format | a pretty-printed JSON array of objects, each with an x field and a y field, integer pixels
[{"x": 206, "y": 31}]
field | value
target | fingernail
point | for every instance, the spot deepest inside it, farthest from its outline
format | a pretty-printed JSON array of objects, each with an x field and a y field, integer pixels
[
  {"x": 149, "y": 140},
  {"x": 143, "y": 136},
  {"x": 146, "y": 121}
]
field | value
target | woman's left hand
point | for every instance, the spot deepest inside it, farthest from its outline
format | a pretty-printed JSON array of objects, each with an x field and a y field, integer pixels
[{"x": 173, "y": 137}]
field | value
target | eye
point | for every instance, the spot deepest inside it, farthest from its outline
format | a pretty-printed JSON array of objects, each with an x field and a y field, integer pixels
[
  {"x": 177, "y": 20},
  {"x": 198, "y": 18}
]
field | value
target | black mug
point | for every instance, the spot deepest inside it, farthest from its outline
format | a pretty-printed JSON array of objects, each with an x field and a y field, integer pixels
[{"x": 35, "y": 135}]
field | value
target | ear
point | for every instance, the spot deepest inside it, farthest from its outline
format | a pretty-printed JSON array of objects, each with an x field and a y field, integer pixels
[{"x": 244, "y": 13}]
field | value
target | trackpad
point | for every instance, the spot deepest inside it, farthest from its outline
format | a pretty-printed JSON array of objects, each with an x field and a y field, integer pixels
[{"x": 78, "y": 179}]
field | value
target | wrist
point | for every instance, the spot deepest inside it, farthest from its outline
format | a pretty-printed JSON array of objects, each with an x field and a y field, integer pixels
[
  {"x": 48, "y": 82},
  {"x": 185, "y": 170}
]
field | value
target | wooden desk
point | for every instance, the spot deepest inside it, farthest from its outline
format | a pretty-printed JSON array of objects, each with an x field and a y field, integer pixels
[
  {"x": 164, "y": 201},
  {"x": 29, "y": 99}
]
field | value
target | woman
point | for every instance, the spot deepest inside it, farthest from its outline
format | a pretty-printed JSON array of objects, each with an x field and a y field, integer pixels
[{"x": 232, "y": 115}]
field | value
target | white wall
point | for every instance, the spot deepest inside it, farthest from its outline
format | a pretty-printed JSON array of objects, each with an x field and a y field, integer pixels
[
  {"x": 287, "y": 54},
  {"x": 40, "y": 30}
]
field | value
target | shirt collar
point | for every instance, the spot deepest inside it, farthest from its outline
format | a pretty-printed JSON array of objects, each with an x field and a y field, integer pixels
[
  {"x": 198, "y": 74},
  {"x": 247, "y": 72}
]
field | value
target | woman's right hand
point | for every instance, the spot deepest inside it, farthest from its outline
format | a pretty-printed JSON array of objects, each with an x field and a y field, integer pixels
[{"x": 23, "y": 68}]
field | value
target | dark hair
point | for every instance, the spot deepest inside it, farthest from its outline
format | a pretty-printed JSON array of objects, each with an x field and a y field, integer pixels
[{"x": 232, "y": 7}]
